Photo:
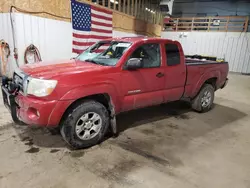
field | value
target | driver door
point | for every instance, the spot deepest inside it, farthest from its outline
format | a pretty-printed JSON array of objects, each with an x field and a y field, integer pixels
[{"x": 144, "y": 86}]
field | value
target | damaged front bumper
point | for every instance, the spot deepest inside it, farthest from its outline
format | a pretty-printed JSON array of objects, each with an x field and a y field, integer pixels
[{"x": 9, "y": 92}]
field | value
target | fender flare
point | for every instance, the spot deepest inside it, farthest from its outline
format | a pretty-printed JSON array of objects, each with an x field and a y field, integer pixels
[
  {"x": 106, "y": 89},
  {"x": 213, "y": 74}
]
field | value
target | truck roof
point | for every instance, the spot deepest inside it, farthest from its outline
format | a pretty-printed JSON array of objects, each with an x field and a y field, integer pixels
[{"x": 137, "y": 39}]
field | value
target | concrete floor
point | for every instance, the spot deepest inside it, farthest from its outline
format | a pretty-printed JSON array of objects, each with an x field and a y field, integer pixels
[{"x": 164, "y": 146}]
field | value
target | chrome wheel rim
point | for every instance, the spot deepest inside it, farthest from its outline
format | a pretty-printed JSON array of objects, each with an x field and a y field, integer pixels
[
  {"x": 88, "y": 126},
  {"x": 206, "y": 99}
]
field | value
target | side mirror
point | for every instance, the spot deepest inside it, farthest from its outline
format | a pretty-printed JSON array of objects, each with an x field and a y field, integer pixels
[{"x": 134, "y": 63}]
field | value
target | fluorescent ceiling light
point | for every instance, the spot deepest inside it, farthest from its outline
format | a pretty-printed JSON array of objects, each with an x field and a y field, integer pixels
[{"x": 113, "y": 1}]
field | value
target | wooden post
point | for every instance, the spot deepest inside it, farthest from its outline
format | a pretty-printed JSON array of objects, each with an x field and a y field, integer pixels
[
  {"x": 132, "y": 7},
  {"x": 176, "y": 29},
  {"x": 103, "y": 3},
  {"x": 119, "y": 6},
  {"x": 124, "y": 6},
  {"x": 144, "y": 10},
  {"x": 128, "y": 7},
  {"x": 246, "y": 24},
  {"x": 109, "y": 4},
  {"x": 149, "y": 13},
  {"x": 136, "y": 6},
  {"x": 139, "y": 9},
  {"x": 161, "y": 20},
  {"x": 227, "y": 23},
  {"x": 209, "y": 24},
  {"x": 192, "y": 26},
  {"x": 156, "y": 17},
  {"x": 114, "y": 5},
  {"x": 152, "y": 13}
]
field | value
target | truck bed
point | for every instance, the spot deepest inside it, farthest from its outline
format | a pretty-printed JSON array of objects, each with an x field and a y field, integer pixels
[
  {"x": 198, "y": 71},
  {"x": 201, "y": 62}
]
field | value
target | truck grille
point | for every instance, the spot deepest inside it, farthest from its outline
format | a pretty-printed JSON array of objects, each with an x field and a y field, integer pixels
[{"x": 18, "y": 80}]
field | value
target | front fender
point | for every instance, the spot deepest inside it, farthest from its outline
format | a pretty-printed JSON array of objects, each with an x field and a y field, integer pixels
[{"x": 88, "y": 90}]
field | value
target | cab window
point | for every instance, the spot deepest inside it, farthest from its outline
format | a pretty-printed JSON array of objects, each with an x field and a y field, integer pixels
[{"x": 149, "y": 54}]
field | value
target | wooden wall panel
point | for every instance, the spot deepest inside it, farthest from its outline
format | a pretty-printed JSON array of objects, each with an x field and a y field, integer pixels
[
  {"x": 5, "y": 5},
  {"x": 127, "y": 23},
  {"x": 121, "y": 21}
]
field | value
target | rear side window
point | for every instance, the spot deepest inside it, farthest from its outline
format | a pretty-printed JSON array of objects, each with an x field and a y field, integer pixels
[{"x": 173, "y": 54}]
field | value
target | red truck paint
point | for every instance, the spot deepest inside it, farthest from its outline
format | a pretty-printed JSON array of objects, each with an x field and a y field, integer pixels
[{"x": 127, "y": 89}]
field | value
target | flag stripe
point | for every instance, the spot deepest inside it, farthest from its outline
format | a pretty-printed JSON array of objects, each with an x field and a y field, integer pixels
[
  {"x": 91, "y": 33},
  {"x": 87, "y": 40},
  {"x": 103, "y": 47},
  {"x": 102, "y": 21},
  {"x": 79, "y": 47},
  {"x": 109, "y": 26},
  {"x": 83, "y": 36},
  {"x": 101, "y": 17},
  {"x": 96, "y": 26},
  {"x": 87, "y": 44},
  {"x": 102, "y": 30},
  {"x": 101, "y": 13},
  {"x": 102, "y": 10},
  {"x": 77, "y": 51}
]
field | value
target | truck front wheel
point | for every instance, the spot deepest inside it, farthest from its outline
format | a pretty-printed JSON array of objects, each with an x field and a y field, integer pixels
[
  {"x": 204, "y": 100},
  {"x": 86, "y": 125}
]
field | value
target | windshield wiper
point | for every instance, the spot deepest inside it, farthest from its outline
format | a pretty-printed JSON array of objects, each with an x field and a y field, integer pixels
[
  {"x": 95, "y": 62},
  {"x": 92, "y": 61}
]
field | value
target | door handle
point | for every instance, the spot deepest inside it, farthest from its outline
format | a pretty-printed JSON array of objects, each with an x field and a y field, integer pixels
[{"x": 159, "y": 74}]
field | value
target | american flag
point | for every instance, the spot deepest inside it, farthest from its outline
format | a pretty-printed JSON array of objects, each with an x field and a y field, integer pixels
[{"x": 90, "y": 24}]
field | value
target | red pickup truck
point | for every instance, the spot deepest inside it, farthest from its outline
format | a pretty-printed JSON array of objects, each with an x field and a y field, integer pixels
[{"x": 82, "y": 96}]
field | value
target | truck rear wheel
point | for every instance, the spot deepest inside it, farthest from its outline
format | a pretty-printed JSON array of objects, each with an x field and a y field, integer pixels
[
  {"x": 86, "y": 125},
  {"x": 204, "y": 100}
]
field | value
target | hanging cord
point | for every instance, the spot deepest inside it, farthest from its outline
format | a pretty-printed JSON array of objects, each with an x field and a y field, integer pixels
[
  {"x": 4, "y": 54},
  {"x": 13, "y": 37},
  {"x": 32, "y": 49},
  {"x": 13, "y": 28}
]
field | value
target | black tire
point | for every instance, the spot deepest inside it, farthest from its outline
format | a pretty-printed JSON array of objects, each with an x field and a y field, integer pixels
[
  {"x": 197, "y": 101},
  {"x": 68, "y": 127}
]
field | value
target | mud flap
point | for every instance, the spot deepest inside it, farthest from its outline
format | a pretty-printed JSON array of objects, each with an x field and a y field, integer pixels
[
  {"x": 225, "y": 84},
  {"x": 113, "y": 126},
  {"x": 112, "y": 118}
]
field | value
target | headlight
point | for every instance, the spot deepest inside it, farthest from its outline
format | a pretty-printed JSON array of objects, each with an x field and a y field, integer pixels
[{"x": 40, "y": 88}]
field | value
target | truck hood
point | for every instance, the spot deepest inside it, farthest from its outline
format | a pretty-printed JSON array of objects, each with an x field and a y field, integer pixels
[{"x": 51, "y": 69}]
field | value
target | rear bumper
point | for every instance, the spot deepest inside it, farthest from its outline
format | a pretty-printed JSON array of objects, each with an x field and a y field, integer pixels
[{"x": 225, "y": 84}]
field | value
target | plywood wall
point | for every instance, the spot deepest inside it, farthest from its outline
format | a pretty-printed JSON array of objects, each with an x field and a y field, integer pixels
[{"x": 121, "y": 22}]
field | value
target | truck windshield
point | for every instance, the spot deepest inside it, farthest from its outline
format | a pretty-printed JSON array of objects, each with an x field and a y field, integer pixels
[{"x": 105, "y": 53}]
